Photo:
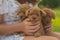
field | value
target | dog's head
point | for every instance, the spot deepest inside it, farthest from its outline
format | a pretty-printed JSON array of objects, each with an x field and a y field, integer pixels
[
  {"x": 22, "y": 9},
  {"x": 35, "y": 14},
  {"x": 50, "y": 14}
]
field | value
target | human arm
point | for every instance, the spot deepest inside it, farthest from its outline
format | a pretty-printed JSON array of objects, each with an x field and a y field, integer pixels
[
  {"x": 9, "y": 29},
  {"x": 24, "y": 26}
]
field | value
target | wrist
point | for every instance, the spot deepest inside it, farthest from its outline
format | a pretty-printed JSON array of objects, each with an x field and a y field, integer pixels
[
  {"x": 18, "y": 27},
  {"x": 1, "y": 18}
]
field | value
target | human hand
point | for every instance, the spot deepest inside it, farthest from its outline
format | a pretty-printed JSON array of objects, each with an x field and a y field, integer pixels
[
  {"x": 29, "y": 28},
  {"x": 48, "y": 27}
]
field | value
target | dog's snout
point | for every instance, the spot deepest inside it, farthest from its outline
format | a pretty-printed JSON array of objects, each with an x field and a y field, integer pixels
[
  {"x": 21, "y": 16},
  {"x": 34, "y": 18}
]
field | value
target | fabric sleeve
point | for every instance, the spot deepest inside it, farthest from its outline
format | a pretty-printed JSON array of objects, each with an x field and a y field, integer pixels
[{"x": 3, "y": 7}]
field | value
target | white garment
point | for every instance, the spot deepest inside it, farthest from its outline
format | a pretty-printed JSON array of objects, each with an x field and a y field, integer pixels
[
  {"x": 9, "y": 7},
  {"x": 11, "y": 37}
]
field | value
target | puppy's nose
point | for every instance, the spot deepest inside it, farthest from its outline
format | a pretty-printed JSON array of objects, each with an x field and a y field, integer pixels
[
  {"x": 20, "y": 16},
  {"x": 34, "y": 18}
]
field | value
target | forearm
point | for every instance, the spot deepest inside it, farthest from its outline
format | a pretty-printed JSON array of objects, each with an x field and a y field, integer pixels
[
  {"x": 9, "y": 29},
  {"x": 1, "y": 18}
]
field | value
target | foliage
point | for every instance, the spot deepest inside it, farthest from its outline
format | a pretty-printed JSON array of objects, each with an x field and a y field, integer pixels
[
  {"x": 56, "y": 22},
  {"x": 51, "y": 3}
]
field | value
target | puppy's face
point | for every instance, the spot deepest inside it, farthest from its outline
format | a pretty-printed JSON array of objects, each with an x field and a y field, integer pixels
[
  {"x": 35, "y": 14},
  {"x": 22, "y": 10},
  {"x": 50, "y": 14}
]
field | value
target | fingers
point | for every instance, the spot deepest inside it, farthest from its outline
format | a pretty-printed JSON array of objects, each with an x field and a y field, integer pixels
[
  {"x": 31, "y": 32},
  {"x": 33, "y": 24},
  {"x": 31, "y": 29},
  {"x": 34, "y": 27},
  {"x": 48, "y": 26},
  {"x": 27, "y": 22},
  {"x": 49, "y": 29},
  {"x": 34, "y": 30}
]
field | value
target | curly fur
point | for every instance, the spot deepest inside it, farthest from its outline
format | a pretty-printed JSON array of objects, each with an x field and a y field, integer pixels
[
  {"x": 50, "y": 14},
  {"x": 21, "y": 11},
  {"x": 35, "y": 14}
]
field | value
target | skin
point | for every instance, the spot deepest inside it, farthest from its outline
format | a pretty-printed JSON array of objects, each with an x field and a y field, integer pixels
[
  {"x": 1, "y": 18},
  {"x": 40, "y": 38}
]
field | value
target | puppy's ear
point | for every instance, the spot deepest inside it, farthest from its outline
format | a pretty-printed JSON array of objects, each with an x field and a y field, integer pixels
[
  {"x": 50, "y": 12},
  {"x": 27, "y": 12},
  {"x": 42, "y": 13}
]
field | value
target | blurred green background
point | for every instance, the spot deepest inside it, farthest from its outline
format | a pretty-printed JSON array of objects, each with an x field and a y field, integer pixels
[
  {"x": 55, "y": 5},
  {"x": 56, "y": 22}
]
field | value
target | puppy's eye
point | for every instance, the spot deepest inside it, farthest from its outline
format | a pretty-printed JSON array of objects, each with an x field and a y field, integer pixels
[
  {"x": 37, "y": 15},
  {"x": 24, "y": 12},
  {"x": 30, "y": 14}
]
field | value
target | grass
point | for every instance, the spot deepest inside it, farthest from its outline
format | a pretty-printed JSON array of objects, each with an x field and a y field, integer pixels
[{"x": 56, "y": 22}]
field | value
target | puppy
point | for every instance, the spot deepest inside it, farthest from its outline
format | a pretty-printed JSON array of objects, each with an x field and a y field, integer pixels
[
  {"x": 50, "y": 14},
  {"x": 35, "y": 14},
  {"x": 21, "y": 11}
]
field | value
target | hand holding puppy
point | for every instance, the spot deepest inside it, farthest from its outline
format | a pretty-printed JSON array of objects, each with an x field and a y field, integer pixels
[{"x": 30, "y": 28}]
